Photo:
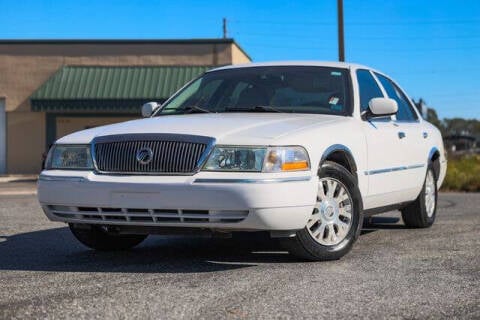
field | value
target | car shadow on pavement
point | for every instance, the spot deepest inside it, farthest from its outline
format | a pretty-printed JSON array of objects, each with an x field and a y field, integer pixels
[
  {"x": 26, "y": 181},
  {"x": 57, "y": 250},
  {"x": 376, "y": 223}
]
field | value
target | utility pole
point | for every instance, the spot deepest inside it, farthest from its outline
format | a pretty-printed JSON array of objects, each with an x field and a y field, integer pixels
[
  {"x": 224, "y": 28},
  {"x": 341, "y": 43}
]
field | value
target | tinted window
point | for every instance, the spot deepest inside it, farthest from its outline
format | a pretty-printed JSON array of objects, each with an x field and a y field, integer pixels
[
  {"x": 296, "y": 89},
  {"x": 368, "y": 88},
  {"x": 405, "y": 112}
]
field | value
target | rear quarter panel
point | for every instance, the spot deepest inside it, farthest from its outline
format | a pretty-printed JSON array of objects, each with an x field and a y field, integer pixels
[{"x": 435, "y": 143}]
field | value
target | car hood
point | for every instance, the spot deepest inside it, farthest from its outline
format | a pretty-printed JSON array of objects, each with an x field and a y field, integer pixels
[{"x": 225, "y": 127}]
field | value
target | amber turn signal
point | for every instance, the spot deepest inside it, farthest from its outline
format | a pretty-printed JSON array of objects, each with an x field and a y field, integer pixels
[{"x": 287, "y": 166}]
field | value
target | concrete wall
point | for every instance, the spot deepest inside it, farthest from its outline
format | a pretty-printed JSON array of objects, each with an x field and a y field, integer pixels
[
  {"x": 238, "y": 56},
  {"x": 3, "y": 137},
  {"x": 67, "y": 125},
  {"x": 25, "y": 141}
]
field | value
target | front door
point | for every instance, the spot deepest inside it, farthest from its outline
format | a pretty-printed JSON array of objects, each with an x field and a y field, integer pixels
[
  {"x": 413, "y": 145},
  {"x": 386, "y": 156},
  {"x": 384, "y": 152}
]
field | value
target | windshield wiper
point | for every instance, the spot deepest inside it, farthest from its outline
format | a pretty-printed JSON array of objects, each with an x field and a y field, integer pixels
[
  {"x": 195, "y": 108},
  {"x": 254, "y": 109},
  {"x": 189, "y": 109}
]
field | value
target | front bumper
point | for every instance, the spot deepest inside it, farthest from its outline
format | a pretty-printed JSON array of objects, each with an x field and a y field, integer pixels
[{"x": 207, "y": 200}]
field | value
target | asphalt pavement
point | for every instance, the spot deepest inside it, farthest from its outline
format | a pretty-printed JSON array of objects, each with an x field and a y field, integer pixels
[{"x": 392, "y": 272}]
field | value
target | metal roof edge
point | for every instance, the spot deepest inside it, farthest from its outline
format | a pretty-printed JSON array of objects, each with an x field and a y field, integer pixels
[
  {"x": 99, "y": 66},
  {"x": 119, "y": 41},
  {"x": 39, "y": 93}
]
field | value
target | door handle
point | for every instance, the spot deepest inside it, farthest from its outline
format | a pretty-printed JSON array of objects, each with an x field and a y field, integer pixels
[
  {"x": 425, "y": 135},
  {"x": 401, "y": 135}
]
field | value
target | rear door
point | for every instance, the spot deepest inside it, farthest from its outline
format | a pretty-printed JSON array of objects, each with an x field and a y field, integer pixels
[{"x": 412, "y": 139}]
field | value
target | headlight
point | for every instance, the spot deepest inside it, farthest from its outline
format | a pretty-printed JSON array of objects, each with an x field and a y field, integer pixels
[
  {"x": 76, "y": 157},
  {"x": 236, "y": 159},
  {"x": 257, "y": 159}
]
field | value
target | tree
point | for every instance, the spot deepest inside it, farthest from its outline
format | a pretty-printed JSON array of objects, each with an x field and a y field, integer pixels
[
  {"x": 429, "y": 114},
  {"x": 432, "y": 117},
  {"x": 460, "y": 126}
]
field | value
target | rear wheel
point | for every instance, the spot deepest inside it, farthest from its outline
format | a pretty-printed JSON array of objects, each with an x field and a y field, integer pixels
[
  {"x": 421, "y": 213},
  {"x": 100, "y": 238},
  {"x": 334, "y": 224}
]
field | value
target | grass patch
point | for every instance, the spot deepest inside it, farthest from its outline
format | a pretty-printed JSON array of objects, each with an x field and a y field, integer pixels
[{"x": 463, "y": 174}]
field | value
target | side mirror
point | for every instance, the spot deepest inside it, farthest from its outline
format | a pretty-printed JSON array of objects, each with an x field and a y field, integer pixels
[
  {"x": 381, "y": 107},
  {"x": 149, "y": 108}
]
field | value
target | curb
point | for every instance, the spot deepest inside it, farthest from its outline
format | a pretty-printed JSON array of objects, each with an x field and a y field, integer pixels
[
  {"x": 19, "y": 178},
  {"x": 18, "y": 193}
]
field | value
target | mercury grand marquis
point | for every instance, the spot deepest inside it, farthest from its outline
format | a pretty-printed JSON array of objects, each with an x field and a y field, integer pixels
[{"x": 303, "y": 150}]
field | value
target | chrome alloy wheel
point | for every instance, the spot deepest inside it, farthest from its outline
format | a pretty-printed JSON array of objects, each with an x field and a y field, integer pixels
[
  {"x": 430, "y": 187},
  {"x": 331, "y": 219}
]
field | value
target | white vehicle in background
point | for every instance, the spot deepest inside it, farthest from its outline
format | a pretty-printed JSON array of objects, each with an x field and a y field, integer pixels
[{"x": 303, "y": 150}]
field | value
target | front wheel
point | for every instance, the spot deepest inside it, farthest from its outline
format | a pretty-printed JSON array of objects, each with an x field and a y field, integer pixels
[
  {"x": 100, "y": 238},
  {"x": 421, "y": 213},
  {"x": 334, "y": 224}
]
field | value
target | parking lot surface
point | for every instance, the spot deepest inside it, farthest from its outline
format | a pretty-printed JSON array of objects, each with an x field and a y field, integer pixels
[{"x": 392, "y": 272}]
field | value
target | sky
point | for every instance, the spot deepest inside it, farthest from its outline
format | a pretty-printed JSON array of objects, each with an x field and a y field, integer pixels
[{"x": 431, "y": 48}]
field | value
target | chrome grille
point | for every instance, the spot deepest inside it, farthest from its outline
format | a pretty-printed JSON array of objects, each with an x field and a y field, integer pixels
[{"x": 170, "y": 154}]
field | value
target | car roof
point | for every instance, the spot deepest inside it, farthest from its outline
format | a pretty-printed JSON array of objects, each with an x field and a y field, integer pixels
[{"x": 335, "y": 64}]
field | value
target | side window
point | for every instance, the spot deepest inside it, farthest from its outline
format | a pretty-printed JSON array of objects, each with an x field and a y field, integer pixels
[
  {"x": 368, "y": 88},
  {"x": 405, "y": 112}
]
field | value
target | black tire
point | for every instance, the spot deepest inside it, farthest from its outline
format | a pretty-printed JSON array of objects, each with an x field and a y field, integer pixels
[
  {"x": 304, "y": 246},
  {"x": 415, "y": 214},
  {"x": 98, "y": 238}
]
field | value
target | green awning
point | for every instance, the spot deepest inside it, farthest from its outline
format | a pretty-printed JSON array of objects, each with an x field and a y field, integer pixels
[{"x": 110, "y": 89}]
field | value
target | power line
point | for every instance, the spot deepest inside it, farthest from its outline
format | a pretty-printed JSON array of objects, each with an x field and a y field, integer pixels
[
  {"x": 359, "y": 23},
  {"x": 390, "y": 50},
  {"x": 430, "y": 73},
  {"x": 316, "y": 37},
  {"x": 453, "y": 95},
  {"x": 426, "y": 37},
  {"x": 437, "y": 70}
]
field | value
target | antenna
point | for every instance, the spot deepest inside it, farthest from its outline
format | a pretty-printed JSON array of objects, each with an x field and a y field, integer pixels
[{"x": 224, "y": 28}]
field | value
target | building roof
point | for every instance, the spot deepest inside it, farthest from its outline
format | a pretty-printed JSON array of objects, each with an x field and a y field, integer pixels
[
  {"x": 119, "y": 89},
  {"x": 117, "y": 41},
  {"x": 123, "y": 41}
]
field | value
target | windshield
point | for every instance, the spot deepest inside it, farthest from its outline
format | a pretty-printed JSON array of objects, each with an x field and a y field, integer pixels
[{"x": 295, "y": 89}]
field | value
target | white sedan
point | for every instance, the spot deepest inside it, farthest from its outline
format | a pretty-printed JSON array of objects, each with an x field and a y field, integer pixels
[{"x": 303, "y": 150}]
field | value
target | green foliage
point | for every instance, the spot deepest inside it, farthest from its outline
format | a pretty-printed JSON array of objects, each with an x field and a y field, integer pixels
[
  {"x": 450, "y": 126},
  {"x": 463, "y": 174},
  {"x": 432, "y": 117},
  {"x": 462, "y": 126}
]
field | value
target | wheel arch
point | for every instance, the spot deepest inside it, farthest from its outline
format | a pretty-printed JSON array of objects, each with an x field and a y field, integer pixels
[
  {"x": 434, "y": 158},
  {"x": 342, "y": 155}
]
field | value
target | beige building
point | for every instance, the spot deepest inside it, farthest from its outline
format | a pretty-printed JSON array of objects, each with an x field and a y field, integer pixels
[{"x": 49, "y": 88}]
